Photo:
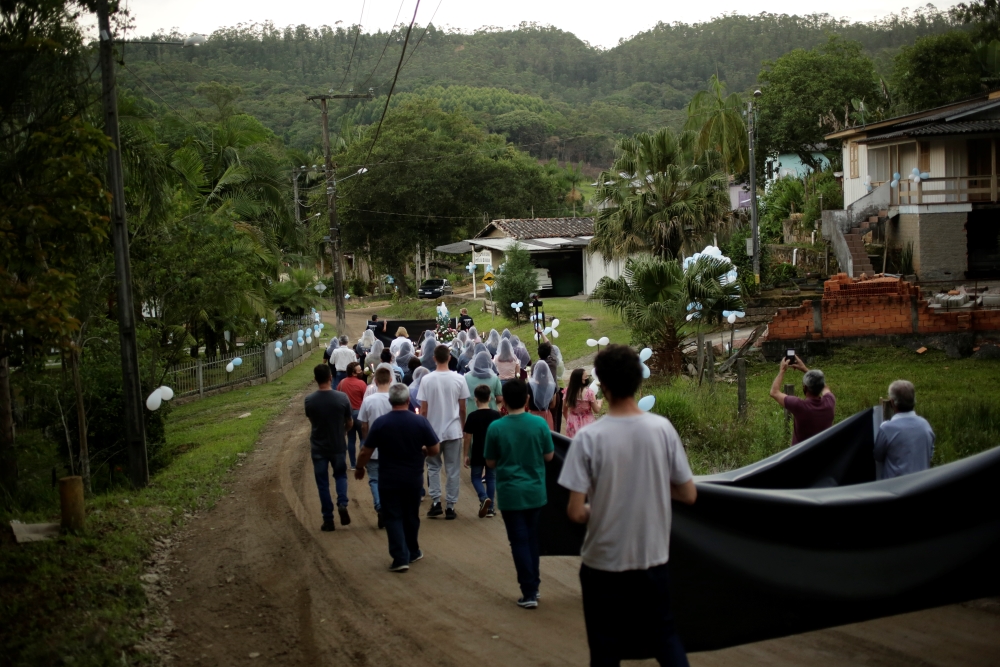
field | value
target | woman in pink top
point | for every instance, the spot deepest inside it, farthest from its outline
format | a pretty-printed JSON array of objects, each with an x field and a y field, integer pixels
[
  {"x": 508, "y": 367},
  {"x": 581, "y": 403}
]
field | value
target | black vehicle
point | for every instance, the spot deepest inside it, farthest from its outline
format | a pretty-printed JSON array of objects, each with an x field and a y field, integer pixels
[{"x": 431, "y": 289}]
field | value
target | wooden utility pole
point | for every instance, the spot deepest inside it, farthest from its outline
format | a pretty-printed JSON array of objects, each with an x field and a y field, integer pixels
[
  {"x": 331, "y": 203},
  {"x": 135, "y": 432}
]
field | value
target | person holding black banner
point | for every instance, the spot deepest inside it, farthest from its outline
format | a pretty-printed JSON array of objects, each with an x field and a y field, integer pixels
[{"x": 630, "y": 464}]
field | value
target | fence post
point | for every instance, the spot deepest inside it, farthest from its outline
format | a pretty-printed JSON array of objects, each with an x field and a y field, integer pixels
[
  {"x": 741, "y": 387},
  {"x": 200, "y": 378}
]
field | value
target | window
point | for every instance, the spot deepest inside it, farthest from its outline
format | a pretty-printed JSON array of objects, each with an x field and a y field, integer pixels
[
  {"x": 853, "y": 150},
  {"x": 924, "y": 156}
]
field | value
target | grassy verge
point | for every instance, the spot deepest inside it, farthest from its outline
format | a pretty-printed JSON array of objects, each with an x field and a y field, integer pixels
[
  {"x": 78, "y": 599},
  {"x": 578, "y": 321},
  {"x": 959, "y": 397}
]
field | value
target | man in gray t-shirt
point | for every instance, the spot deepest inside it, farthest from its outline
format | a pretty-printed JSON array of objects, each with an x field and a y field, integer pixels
[{"x": 630, "y": 464}]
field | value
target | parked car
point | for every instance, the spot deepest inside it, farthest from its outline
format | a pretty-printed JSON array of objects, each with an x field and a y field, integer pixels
[
  {"x": 434, "y": 288},
  {"x": 544, "y": 279}
]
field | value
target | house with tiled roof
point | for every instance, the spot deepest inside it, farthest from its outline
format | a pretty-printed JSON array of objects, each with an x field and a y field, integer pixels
[
  {"x": 931, "y": 176},
  {"x": 556, "y": 244}
]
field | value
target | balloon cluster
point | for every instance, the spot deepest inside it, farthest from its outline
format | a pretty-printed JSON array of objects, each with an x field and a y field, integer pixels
[
  {"x": 644, "y": 356},
  {"x": 277, "y": 348},
  {"x": 694, "y": 308},
  {"x": 915, "y": 176},
  {"x": 604, "y": 340},
  {"x": 552, "y": 329},
  {"x": 237, "y": 361},
  {"x": 731, "y": 315},
  {"x": 160, "y": 394},
  {"x": 518, "y": 306},
  {"x": 471, "y": 266}
]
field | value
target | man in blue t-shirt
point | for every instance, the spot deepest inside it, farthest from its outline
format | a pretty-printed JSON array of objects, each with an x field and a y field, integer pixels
[{"x": 403, "y": 440}]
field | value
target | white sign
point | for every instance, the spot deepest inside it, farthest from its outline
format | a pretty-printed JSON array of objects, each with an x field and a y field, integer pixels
[{"x": 482, "y": 257}]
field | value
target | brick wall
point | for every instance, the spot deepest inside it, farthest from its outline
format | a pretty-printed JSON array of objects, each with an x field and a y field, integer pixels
[
  {"x": 882, "y": 306},
  {"x": 944, "y": 252}
]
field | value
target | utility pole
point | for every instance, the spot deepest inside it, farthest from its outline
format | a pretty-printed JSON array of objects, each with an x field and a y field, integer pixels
[
  {"x": 331, "y": 203},
  {"x": 753, "y": 191},
  {"x": 138, "y": 468}
]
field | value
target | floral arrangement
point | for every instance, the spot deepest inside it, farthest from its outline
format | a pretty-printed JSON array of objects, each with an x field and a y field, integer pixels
[{"x": 445, "y": 334}]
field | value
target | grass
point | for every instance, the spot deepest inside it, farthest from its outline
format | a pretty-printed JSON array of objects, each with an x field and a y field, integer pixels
[
  {"x": 78, "y": 598},
  {"x": 966, "y": 420},
  {"x": 573, "y": 329}
]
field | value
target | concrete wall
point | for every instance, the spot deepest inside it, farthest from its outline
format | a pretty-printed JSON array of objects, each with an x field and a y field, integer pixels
[
  {"x": 944, "y": 252},
  {"x": 903, "y": 230},
  {"x": 595, "y": 268}
]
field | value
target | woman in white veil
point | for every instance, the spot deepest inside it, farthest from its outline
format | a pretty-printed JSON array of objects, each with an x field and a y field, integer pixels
[{"x": 542, "y": 393}]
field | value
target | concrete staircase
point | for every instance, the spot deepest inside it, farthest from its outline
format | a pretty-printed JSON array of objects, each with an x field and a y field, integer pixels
[{"x": 860, "y": 260}]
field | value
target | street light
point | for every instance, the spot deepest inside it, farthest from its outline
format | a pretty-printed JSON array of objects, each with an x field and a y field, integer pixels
[{"x": 751, "y": 129}]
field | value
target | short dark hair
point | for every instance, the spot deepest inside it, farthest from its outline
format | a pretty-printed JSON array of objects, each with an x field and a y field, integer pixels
[
  {"x": 619, "y": 370},
  {"x": 386, "y": 355},
  {"x": 383, "y": 376},
  {"x": 515, "y": 393},
  {"x": 442, "y": 354},
  {"x": 352, "y": 369},
  {"x": 322, "y": 373},
  {"x": 544, "y": 350},
  {"x": 483, "y": 393},
  {"x": 374, "y": 317},
  {"x": 413, "y": 364}
]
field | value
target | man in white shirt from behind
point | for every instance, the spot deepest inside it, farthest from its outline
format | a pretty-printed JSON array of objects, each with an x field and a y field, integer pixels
[
  {"x": 372, "y": 407},
  {"x": 630, "y": 464},
  {"x": 339, "y": 359},
  {"x": 442, "y": 395}
]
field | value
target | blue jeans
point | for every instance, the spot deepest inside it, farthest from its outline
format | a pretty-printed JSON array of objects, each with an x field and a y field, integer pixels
[
  {"x": 321, "y": 466},
  {"x": 522, "y": 532},
  {"x": 401, "y": 513},
  {"x": 372, "y": 469},
  {"x": 490, "y": 491},
  {"x": 628, "y": 616},
  {"x": 353, "y": 436},
  {"x": 340, "y": 375}
]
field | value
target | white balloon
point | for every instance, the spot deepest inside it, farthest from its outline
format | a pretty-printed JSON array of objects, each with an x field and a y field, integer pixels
[
  {"x": 154, "y": 400},
  {"x": 166, "y": 393},
  {"x": 591, "y": 342},
  {"x": 646, "y": 403},
  {"x": 645, "y": 354},
  {"x": 603, "y": 341},
  {"x": 555, "y": 323},
  {"x": 229, "y": 367},
  {"x": 731, "y": 318},
  {"x": 278, "y": 353},
  {"x": 555, "y": 334}
]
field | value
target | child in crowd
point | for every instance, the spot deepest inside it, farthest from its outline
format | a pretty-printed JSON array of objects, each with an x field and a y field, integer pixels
[
  {"x": 475, "y": 437},
  {"x": 581, "y": 405}
]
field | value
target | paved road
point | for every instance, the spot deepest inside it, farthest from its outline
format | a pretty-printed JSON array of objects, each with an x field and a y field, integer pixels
[{"x": 256, "y": 576}]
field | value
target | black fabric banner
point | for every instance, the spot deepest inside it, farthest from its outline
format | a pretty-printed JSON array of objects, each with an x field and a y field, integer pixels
[{"x": 760, "y": 555}]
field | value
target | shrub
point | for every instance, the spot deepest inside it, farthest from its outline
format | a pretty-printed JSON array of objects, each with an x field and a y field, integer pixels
[{"x": 516, "y": 281}]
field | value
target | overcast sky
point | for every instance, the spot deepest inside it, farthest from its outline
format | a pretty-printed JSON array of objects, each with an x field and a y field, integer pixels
[{"x": 597, "y": 21}]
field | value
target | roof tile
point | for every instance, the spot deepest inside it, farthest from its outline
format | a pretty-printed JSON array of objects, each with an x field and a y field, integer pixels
[{"x": 541, "y": 228}]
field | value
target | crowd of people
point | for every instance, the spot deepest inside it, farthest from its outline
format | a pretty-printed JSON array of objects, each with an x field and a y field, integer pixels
[{"x": 481, "y": 403}]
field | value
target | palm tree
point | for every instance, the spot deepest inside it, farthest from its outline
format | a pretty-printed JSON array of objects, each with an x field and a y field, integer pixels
[
  {"x": 659, "y": 196},
  {"x": 652, "y": 296},
  {"x": 717, "y": 119}
]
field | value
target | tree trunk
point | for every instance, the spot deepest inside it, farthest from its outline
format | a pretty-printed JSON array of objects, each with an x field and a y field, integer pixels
[
  {"x": 667, "y": 358},
  {"x": 701, "y": 353},
  {"x": 81, "y": 419},
  {"x": 8, "y": 455}
]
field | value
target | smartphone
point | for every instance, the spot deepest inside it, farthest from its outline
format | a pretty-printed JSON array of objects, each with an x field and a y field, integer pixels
[{"x": 790, "y": 355}]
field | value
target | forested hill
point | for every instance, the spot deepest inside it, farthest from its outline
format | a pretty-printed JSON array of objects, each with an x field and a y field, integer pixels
[{"x": 551, "y": 92}]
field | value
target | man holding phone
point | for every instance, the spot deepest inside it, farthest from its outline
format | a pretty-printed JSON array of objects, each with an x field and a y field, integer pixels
[{"x": 811, "y": 414}]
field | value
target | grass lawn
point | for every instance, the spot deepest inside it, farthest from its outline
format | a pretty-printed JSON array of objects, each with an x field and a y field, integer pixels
[
  {"x": 959, "y": 397},
  {"x": 78, "y": 598},
  {"x": 573, "y": 329}
]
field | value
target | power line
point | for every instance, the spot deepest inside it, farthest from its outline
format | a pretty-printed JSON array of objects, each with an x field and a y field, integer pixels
[
  {"x": 426, "y": 28},
  {"x": 388, "y": 97},
  {"x": 387, "y": 40},
  {"x": 150, "y": 89},
  {"x": 357, "y": 33}
]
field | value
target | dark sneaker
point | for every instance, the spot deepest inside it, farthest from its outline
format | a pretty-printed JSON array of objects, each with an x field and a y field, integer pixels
[
  {"x": 414, "y": 559},
  {"x": 435, "y": 510},
  {"x": 399, "y": 566},
  {"x": 345, "y": 518},
  {"x": 490, "y": 513},
  {"x": 381, "y": 520},
  {"x": 328, "y": 526},
  {"x": 449, "y": 514},
  {"x": 484, "y": 507},
  {"x": 528, "y": 603}
]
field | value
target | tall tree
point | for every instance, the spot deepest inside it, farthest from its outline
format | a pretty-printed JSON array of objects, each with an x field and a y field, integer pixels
[
  {"x": 934, "y": 71},
  {"x": 659, "y": 196},
  {"x": 719, "y": 122}
]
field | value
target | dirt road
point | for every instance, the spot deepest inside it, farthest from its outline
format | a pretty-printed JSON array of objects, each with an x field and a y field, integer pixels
[{"x": 255, "y": 580}]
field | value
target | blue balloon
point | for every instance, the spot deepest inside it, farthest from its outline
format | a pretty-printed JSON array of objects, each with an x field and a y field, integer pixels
[
  {"x": 277, "y": 344},
  {"x": 915, "y": 171},
  {"x": 237, "y": 361},
  {"x": 289, "y": 343},
  {"x": 278, "y": 353},
  {"x": 895, "y": 176},
  {"x": 924, "y": 175},
  {"x": 646, "y": 403}
]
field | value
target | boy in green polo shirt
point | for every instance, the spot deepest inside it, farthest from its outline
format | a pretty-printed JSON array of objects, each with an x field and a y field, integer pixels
[{"x": 518, "y": 446}]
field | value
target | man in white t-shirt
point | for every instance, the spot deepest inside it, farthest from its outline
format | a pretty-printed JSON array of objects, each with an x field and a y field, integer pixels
[
  {"x": 339, "y": 359},
  {"x": 442, "y": 395},
  {"x": 630, "y": 464},
  {"x": 372, "y": 407}
]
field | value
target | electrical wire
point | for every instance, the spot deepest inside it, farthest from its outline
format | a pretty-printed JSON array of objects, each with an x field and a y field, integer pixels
[
  {"x": 387, "y": 41},
  {"x": 357, "y": 33},
  {"x": 415, "y": 46},
  {"x": 160, "y": 97},
  {"x": 388, "y": 97}
]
